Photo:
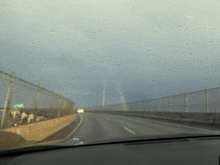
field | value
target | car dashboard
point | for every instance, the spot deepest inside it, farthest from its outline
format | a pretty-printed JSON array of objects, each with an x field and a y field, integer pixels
[{"x": 201, "y": 151}]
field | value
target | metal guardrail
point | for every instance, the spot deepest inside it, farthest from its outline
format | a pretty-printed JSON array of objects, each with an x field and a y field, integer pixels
[{"x": 38, "y": 102}]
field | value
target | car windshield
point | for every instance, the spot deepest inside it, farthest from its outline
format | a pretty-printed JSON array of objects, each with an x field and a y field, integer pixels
[{"x": 87, "y": 71}]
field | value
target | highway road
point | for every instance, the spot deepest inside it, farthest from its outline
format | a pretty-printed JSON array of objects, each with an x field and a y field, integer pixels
[{"x": 97, "y": 127}]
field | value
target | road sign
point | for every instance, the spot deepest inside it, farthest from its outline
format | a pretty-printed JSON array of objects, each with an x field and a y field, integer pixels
[{"x": 19, "y": 106}]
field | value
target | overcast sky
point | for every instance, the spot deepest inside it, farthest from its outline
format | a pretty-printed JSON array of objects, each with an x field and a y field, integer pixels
[{"x": 142, "y": 48}]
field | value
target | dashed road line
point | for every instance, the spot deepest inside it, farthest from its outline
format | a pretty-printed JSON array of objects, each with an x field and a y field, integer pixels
[{"x": 129, "y": 130}]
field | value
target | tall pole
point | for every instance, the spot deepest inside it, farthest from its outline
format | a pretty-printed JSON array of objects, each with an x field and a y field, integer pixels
[
  {"x": 152, "y": 101},
  {"x": 37, "y": 101},
  {"x": 70, "y": 111},
  {"x": 59, "y": 107},
  {"x": 160, "y": 105},
  {"x": 186, "y": 101},
  {"x": 145, "y": 106},
  {"x": 3, "y": 115},
  {"x": 9, "y": 98},
  {"x": 207, "y": 100},
  {"x": 171, "y": 101},
  {"x": 103, "y": 100},
  {"x": 73, "y": 106},
  {"x": 2, "y": 90},
  {"x": 51, "y": 101},
  {"x": 51, "y": 105}
]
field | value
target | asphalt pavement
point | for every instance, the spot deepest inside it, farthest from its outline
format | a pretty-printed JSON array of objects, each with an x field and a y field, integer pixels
[{"x": 98, "y": 127}]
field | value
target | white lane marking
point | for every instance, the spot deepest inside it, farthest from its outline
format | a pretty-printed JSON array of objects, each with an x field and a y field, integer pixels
[
  {"x": 75, "y": 138},
  {"x": 129, "y": 130},
  {"x": 177, "y": 125},
  {"x": 183, "y": 126},
  {"x": 81, "y": 143},
  {"x": 75, "y": 128}
]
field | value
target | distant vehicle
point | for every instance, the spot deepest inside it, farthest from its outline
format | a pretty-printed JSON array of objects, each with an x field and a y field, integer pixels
[{"x": 80, "y": 110}]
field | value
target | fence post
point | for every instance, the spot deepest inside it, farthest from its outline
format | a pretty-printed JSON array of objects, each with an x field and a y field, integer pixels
[
  {"x": 2, "y": 89},
  {"x": 51, "y": 106},
  {"x": 65, "y": 104},
  {"x": 145, "y": 106},
  {"x": 37, "y": 101},
  {"x": 72, "y": 107},
  {"x": 152, "y": 101},
  {"x": 59, "y": 108},
  {"x": 160, "y": 105},
  {"x": 207, "y": 100},
  {"x": 148, "y": 106},
  {"x": 171, "y": 101},
  {"x": 68, "y": 107},
  {"x": 186, "y": 101},
  {"x": 3, "y": 115},
  {"x": 9, "y": 98}
]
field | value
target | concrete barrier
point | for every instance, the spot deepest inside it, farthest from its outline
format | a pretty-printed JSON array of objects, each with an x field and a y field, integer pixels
[
  {"x": 35, "y": 132},
  {"x": 189, "y": 117}
]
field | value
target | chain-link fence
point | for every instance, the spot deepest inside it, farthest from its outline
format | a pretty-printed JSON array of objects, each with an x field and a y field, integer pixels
[
  {"x": 204, "y": 101},
  {"x": 22, "y": 102}
]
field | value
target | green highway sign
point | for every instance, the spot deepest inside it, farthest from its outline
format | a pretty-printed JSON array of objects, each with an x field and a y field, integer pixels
[{"x": 19, "y": 105}]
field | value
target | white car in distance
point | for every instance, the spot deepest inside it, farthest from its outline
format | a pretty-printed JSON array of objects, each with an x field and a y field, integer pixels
[{"x": 80, "y": 110}]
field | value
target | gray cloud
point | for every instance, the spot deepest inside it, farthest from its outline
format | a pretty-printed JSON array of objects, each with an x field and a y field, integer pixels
[{"x": 151, "y": 49}]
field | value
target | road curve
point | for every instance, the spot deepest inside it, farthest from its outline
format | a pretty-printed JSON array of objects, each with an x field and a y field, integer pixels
[{"x": 98, "y": 127}]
